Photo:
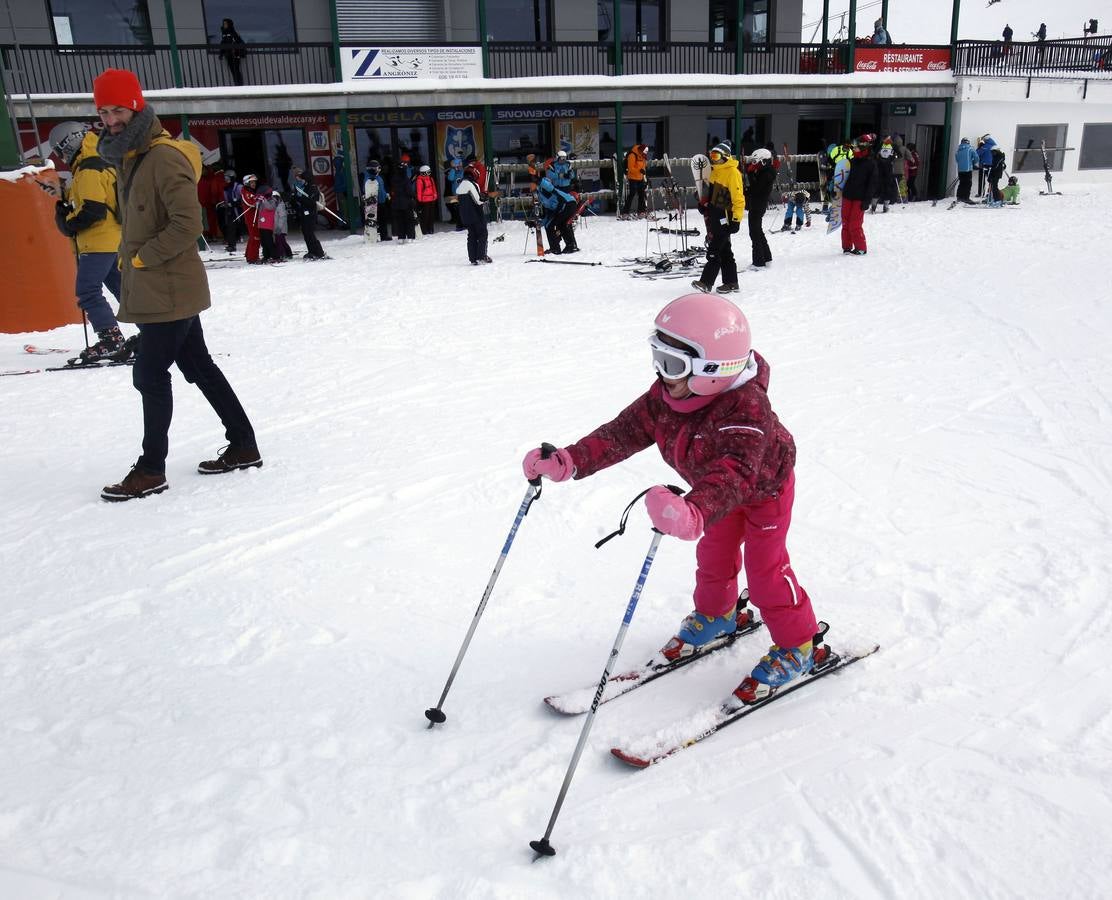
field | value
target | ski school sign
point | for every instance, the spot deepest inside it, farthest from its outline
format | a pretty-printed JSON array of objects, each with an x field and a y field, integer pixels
[
  {"x": 901, "y": 59},
  {"x": 391, "y": 63}
]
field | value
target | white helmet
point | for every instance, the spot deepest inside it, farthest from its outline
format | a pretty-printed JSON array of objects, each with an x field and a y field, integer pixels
[
  {"x": 66, "y": 137},
  {"x": 762, "y": 155},
  {"x": 563, "y": 154},
  {"x": 425, "y": 170}
]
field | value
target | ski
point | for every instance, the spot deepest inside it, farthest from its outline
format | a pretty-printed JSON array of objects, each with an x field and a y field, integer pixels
[
  {"x": 31, "y": 348},
  {"x": 564, "y": 262},
  {"x": 689, "y": 232},
  {"x": 99, "y": 364},
  {"x": 1049, "y": 192},
  {"x": 537, "y": 212},
  {"x": 20, "y": 372},
  {"x": 577, "y": 702},
  {"x": 646, "y": 752}
]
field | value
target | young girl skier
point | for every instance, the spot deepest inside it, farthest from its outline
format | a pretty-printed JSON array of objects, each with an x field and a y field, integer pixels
[{"x": 708, "y": 412}]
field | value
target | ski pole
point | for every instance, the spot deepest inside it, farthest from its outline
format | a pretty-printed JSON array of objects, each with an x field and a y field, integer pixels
[
  {"x": 434, "y": 714},
  {"x": 543, "y": 847}
]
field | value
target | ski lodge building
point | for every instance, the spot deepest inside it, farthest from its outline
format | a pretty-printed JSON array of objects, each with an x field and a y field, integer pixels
[{"x": 327, "y": 85}]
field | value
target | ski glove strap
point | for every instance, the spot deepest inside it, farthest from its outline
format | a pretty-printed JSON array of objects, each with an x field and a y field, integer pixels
[{"x": 673, "y": 515}]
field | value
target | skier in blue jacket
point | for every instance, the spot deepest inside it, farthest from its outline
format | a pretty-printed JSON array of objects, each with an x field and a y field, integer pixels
[
  {"x": 559, "y": 209},
  {"x": 984, "y": 161},
  {"x": 966, "y": 158}
]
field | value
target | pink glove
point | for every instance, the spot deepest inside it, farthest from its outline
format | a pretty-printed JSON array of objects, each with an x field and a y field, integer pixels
[
  {"x": 558, "y": 467},
  {"x": 673, "y": 515}
]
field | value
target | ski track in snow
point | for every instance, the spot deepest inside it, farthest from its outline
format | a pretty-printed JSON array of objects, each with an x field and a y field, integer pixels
[{"x": 218, "y": 692}]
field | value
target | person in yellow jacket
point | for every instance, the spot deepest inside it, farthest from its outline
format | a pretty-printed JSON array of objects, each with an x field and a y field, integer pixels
[
  {"x": 636, "y": 161},
  {"x": 88, "y": 215},
  {"x": 722, "y": 210},
  {"x": 165, "y": 288}
]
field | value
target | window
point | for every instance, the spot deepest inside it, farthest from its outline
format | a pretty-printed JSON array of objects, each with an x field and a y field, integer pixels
[
  {"x": 101, "y": 22},
  {"x": 1096, "y": 146},
  {"x": 753, "y": 131},
  {"x": 256, "y": 21},
  {"x": 519, "y": 20},
  {"x": 754, "y": 22},
  {"x": 1028, "y": 153},
  {"x": 650, "y": 131},
  {"x": 515, "y": 141},
  {"x": 642, "y": 21}
]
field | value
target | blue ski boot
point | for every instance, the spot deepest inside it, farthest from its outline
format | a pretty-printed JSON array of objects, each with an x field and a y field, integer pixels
[
  {"x": 699, "y": 633},
  {"x": 779, "y": 666}
]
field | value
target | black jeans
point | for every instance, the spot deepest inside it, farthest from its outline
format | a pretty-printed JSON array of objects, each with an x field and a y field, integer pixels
[
  {"x": 182, "y": 343},
  {"x": 965, "y": 185},
  {"x": 634, "y": 190}
]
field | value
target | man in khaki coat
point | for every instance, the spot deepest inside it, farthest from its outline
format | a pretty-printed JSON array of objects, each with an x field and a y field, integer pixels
[{"x": 164, "y": 286}]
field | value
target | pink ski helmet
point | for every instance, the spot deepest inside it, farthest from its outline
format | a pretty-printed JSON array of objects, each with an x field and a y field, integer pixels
[{"x": 716, "y": 340}]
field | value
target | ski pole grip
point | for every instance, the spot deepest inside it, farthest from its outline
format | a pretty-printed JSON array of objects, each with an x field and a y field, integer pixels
[
  {"x": 547, "y": 450},
  {"x": 678, "y": 491}
]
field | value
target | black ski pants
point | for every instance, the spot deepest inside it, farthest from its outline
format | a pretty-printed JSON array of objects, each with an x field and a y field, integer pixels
[
  {"x": 720, "y": 256},
  {"x": 309, "y": 233},
  {"x": 477, "y": 240},
  {"x": 758, "y": 238},
  {"x": 558, "y": 230},
  {"x": 965, "y": 185},
  {"x": 635, "y": 189}
]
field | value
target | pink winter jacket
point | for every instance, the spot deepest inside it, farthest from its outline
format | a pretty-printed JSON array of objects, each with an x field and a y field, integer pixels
[{"x": 732, "y": 452}]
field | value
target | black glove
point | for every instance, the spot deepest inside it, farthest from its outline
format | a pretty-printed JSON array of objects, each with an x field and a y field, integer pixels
[{"x": 735, "y": 227}]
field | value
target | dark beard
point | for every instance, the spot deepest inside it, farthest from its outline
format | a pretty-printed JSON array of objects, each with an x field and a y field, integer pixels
[{"x": 113, "y": 148}]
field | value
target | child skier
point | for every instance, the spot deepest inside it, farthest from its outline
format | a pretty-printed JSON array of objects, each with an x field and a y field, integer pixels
[
  {"x": 281, "y": 228},
  {"x": 1011, "y": 192},
  {"x": 796, "y": 206},
  {"x": 427, "y": 199},
  {"x": 708, "y": 412}
]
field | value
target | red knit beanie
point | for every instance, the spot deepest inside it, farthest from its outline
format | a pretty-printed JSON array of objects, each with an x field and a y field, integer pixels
[{"x": 118, "y": 87}]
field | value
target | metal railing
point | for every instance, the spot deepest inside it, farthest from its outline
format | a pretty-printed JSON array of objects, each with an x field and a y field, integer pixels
[
  {"x": 1073, "y": 58},
  {"x": 50, "y": 69}
]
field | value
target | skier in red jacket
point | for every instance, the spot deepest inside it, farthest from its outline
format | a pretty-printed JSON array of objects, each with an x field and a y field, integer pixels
[
  {"x": 427, "y": 199},
  {"x": 708, "y": 413}
]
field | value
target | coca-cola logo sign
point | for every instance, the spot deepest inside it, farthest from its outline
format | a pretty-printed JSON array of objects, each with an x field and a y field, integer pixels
[{"x": 925, "y": 59}]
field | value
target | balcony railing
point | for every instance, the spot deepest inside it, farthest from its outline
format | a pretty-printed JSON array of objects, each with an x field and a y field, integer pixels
[
  {"x": 50, "y": 69},
  {"x": 1080, "y": 57}
]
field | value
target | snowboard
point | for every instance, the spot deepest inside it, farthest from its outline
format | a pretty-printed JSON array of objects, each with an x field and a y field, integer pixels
[
  {"x": 370, "y": 220},
  {"x": 700, "y": 171}
]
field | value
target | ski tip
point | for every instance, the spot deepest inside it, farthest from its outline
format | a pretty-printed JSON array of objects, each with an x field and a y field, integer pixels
[
  {"x": 629, "y": 759},
  {"x": 554, "y": 704}
]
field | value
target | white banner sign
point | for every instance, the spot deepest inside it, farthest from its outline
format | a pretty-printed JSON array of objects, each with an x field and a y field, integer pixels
[{"x": 438, "y": 63}]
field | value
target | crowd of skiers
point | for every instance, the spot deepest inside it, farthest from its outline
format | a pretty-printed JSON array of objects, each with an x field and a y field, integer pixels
[
  {"x": 247, "y": 208},
  {"x": 988, "y": 160}
]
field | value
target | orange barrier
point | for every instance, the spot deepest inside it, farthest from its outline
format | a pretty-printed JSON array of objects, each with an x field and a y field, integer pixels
[{"x": 40, "y": 268}]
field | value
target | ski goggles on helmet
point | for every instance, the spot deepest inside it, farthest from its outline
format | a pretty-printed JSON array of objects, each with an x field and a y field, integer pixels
[{"x": 672, "y": 362}]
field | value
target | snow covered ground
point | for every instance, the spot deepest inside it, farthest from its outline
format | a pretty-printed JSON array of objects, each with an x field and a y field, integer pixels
[{"x": 218, "y": 692}]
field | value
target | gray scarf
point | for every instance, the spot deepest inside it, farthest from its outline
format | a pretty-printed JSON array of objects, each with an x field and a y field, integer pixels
[{"x": 114, "y": 147}]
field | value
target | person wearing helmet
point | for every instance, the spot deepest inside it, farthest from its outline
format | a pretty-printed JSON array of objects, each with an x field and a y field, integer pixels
[
  {"x": 559, "y": 209},
  {"x": 453, "y": 176},
  {"x": 561, "y": 171},
  {"x": 709, "y": 414},
  {"x": 722, "y": 210},
  {"x": 249, "y": 196},
  {"x": 427, "y": 198},
  {"x": 472, "y": 213},
  {"x": 859, "y": 189},
  {"x": 887, "y": 189},
  {"x": 88, "y": 214},
  {"x": 762, "y": 177}
]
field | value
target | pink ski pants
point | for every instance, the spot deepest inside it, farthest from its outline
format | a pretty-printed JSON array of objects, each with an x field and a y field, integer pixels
[{"x": 773, "y": 588}]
